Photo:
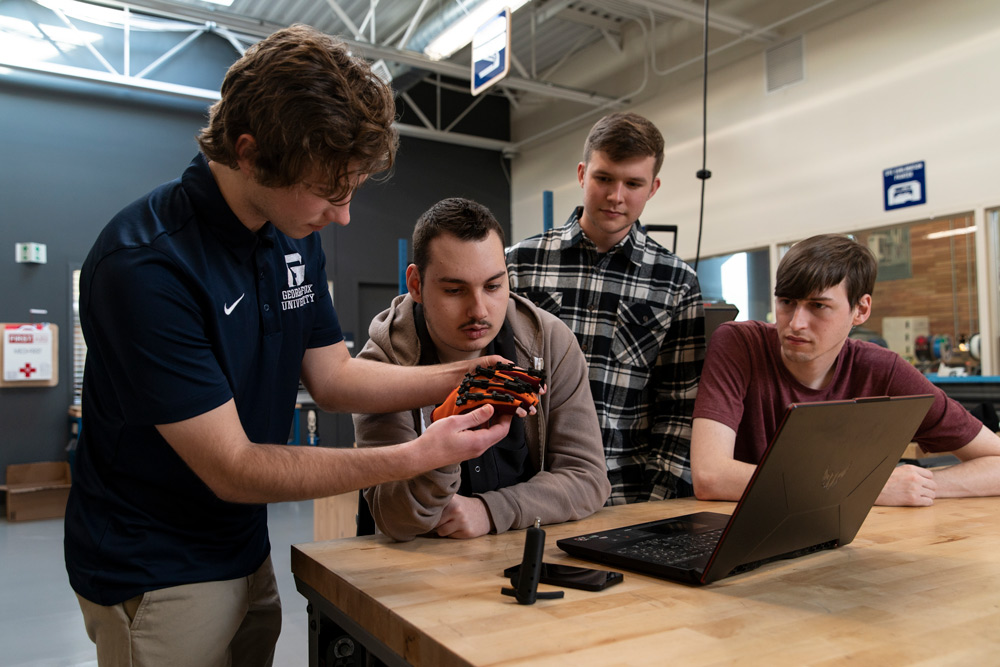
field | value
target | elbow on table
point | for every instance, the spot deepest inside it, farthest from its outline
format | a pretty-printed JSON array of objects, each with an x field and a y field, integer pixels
[
  {"x": 396, "y": 531},
  {"x": 708, "y": 485},
  {"x": 400, "y": 523}
]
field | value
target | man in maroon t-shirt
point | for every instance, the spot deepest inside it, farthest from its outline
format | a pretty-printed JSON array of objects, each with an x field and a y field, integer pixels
[{"x": 753, "y": 370}]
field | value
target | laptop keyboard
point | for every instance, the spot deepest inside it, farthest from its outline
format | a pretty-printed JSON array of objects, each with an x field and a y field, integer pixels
[{"x": 672, "y": 549}]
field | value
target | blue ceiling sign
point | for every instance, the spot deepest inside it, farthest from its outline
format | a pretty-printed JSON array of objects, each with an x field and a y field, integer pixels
[
  {"x": 491, "y": 52},
  {"x": 904, "y": 186}
]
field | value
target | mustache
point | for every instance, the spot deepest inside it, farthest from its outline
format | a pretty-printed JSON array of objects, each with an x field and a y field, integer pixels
[{"x": 477, "y": 323}]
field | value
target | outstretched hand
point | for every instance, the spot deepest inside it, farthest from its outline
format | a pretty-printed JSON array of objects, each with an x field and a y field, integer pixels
[{"x": 459, "y": 438}]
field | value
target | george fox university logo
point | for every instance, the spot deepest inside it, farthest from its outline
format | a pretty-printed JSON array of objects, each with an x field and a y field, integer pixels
[{"x": 299, "y": 293}]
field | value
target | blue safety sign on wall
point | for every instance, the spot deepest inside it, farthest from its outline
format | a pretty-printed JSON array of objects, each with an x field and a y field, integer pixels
[
  {"x": 904, "y": 186},
  {"x": 491, "y": 52}
]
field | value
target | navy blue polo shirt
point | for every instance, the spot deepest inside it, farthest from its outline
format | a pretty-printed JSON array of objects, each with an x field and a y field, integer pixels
[{"x": 183, "y": 308}]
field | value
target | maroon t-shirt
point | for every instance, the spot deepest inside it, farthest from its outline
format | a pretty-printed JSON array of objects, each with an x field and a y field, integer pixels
[{"x": 746, "y": 386}]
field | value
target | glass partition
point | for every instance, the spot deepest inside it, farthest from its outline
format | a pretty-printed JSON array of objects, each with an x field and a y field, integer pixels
[
  {"x": 926, "y": 301},
  {"x": 742, "y": 279}
]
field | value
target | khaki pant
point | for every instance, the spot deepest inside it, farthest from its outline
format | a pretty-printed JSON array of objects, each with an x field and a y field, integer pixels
[{"x": 211, "y": 624}]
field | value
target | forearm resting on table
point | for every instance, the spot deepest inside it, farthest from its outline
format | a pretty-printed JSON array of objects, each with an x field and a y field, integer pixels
[
  {"x": 979, "y": 472},
  {"x": 976, "y": 477}
]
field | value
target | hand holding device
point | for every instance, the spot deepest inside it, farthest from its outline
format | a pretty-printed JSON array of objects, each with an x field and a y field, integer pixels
[{"x": 506, "y": 387}]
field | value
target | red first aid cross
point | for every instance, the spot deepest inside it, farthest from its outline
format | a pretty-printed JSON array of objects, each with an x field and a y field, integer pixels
[{"x": 28, "y": 370}]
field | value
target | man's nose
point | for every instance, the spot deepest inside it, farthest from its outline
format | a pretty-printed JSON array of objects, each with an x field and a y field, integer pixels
[
  {"x": 617, "y": 191},
  {"x": 477, "y": 307},
  {"x": 799, "y": 317},
  {"x": 339, "y": 214}
]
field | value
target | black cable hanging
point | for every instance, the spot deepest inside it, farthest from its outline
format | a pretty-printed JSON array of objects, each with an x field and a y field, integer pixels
[{"x": 703, "y": 173}]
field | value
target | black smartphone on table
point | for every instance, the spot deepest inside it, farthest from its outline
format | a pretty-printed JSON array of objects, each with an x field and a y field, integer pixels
[{"x": 569, "y": 576}]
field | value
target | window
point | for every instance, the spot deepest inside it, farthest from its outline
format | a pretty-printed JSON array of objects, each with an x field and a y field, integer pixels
[
  {"x": 926, "y": 301},
  {"x": 742, "y": 279}
]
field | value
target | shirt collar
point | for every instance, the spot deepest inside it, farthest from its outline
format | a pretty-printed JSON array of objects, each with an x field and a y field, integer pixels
[
  {"x": 631, "y": 246},
  {"x": 212, "y": 211}
]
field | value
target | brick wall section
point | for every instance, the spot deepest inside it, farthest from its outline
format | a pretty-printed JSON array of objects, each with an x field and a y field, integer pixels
[{"x": 943, "y": 282}]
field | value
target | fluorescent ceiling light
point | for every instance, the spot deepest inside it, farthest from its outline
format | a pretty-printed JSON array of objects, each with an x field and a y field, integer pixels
[
  {"x": 224, "y": 3},
  {"x": 460, "y": 33},
  {"x": 27, "y": 42},
  {"x": 951, "y": 232}
]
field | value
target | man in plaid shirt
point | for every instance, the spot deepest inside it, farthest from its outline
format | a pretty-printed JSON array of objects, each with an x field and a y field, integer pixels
[{"x": 636, "y": 310}]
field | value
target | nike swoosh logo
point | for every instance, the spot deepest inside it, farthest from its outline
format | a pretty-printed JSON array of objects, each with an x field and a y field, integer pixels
[{"x": 228, "y": 309}]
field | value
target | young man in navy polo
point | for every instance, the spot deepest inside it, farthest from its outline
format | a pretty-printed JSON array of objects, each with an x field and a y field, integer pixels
[{"x": 202, "y": 305}]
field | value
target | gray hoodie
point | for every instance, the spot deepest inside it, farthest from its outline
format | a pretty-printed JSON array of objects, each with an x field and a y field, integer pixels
[{"x": 563, "y": 438}]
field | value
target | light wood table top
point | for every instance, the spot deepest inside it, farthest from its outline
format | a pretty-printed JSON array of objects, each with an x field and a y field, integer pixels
[{"x": 917, "y": 586}]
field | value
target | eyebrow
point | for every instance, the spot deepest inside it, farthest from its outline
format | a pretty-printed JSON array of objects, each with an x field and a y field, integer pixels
[
  {"x": 459, "y": 281},
  {"x": 602, "y": 172}
]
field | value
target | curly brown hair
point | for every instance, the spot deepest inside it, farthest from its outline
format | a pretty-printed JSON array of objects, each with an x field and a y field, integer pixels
[{"x": 313, "y": 109}]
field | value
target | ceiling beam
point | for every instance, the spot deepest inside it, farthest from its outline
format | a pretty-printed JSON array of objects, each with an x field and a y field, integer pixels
[
  {"x": 587, "y": 18},
  {"x": 546, "y": 11},
  {"x": 261, "y": 29},
  {"x": 210, "y": 96},
  {"x": 695, "y": 13},
  {"x": 419, "y": 61},
  {"x": 345, "y": 19}
]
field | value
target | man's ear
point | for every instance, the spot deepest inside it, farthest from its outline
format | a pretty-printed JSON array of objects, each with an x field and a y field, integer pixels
[
  {"x": 652, "y": 190},
  {"x": 581, "y": 170},
  {"x": 863, "y": 310},
  {"x": 246, "y": 153},
  {"x": 413, "y": 283}
]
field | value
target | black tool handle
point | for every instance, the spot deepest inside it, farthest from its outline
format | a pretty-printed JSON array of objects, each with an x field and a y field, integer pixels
[{"x": 531, "y": 569}]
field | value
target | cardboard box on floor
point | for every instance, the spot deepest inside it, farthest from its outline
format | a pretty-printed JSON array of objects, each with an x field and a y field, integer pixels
[{"x": 37, "y": 490}]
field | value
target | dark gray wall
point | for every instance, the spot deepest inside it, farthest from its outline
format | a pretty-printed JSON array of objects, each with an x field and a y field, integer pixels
[
  {"x": 73, "y": 154},
  {"x": 71, "y": 160}
]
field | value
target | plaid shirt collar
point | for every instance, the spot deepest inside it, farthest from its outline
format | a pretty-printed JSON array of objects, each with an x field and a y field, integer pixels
[{"x": 631, "y": 246}]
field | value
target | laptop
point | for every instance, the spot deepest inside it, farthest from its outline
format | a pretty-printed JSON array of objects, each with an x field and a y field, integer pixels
[
  {"x": 716, "y": 314},
  {"x": 812, "y": 490}
]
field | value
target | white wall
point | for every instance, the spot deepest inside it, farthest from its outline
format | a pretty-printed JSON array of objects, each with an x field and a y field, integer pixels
[{"x": 902, "y": 81}]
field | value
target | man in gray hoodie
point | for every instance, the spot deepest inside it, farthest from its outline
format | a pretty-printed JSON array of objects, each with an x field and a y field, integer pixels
[{"x": 459, "y": 307}]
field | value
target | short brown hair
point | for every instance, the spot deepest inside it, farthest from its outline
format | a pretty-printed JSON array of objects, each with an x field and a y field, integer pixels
[
  {"x": 624, "y": 135},
  {"x": 464, "y": 219},
  {"x": 310, "y": 106},
  {"x": 821, "y": 262}
]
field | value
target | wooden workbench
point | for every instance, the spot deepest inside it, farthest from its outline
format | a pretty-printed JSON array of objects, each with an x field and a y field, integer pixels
[{"x": 917, "y": 586}]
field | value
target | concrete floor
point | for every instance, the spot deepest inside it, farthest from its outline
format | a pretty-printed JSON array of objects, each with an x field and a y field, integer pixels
[{"x": 40, "y": 620}]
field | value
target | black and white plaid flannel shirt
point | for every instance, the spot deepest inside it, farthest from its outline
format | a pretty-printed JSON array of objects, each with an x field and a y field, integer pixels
[{"x": 638, "y": 315}]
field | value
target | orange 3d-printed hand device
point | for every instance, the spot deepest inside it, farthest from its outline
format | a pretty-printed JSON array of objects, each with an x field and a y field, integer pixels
[{"x": 504, "y": 386}]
